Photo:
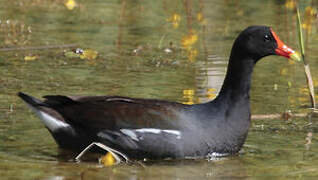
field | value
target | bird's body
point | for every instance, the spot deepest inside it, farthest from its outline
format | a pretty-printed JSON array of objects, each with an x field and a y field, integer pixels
[
  {"x": 156, "y": 129},
  {"x": 143, "y": 128}
]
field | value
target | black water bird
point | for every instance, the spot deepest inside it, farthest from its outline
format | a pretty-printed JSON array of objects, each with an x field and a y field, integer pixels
[{"x": 157, "y": 129}]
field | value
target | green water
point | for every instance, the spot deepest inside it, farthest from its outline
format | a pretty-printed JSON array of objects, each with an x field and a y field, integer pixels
[{"x": 132, "y": 38}]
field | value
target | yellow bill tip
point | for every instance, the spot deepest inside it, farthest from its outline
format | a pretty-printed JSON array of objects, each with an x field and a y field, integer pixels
[{"x": 295, "y": 56}]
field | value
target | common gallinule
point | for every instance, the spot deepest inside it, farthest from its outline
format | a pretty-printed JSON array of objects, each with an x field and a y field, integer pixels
[{"x": 156, "y": 129}]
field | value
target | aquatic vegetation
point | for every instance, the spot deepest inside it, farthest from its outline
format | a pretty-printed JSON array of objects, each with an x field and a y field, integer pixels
[
  {"x": 175, "y": 20},
  {"x": 88, "y": 54},
  {"x": 14, "y": 32},
  {"x": 211, "y": 93},
  {"x": 290, "y": 4},
  {"x": 70, "y": 4},
  {"x": 188, "y": 41},
  {"x": 30, "y": 58},
  {"x": 306, "y": 64},
  {"x": 188, "y": 94}
]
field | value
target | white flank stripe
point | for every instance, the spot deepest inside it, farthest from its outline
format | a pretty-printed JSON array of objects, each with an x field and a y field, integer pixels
[
  {"x": 148, "y": 130},
  {"x": 175, "y": 132},
  {"x": 133, "y": 133}
]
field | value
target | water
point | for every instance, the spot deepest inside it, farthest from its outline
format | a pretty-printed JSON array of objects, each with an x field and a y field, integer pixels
[{"x": 133, "y": 40}]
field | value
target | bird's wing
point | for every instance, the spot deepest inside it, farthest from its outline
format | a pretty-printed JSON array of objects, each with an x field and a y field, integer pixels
[{"x": 115, "y": 112}]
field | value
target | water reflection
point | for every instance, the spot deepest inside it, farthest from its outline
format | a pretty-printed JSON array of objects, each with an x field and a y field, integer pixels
[{"x": 224, "y": 168}]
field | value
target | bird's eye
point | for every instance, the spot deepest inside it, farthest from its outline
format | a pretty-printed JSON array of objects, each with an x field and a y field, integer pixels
[{"x": 267, "y": 38}]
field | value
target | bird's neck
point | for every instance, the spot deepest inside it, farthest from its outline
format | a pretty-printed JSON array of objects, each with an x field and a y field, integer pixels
[{"x": 237, "y": 81}]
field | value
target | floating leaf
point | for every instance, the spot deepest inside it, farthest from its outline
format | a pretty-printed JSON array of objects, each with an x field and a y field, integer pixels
[
  {"x": 290, "y": 4},
  {"x": 309, "y": 17},
  {"x": 283, "y": 71},
  {"x": 188, "y": 92},
  {"x": 83, "y": 54},
  {"x": 211, "y": 93},
  {"x": 302, "y": 99},
  {"x": 70, "y": 4},
  {"x": 89, "y": 54},
  {"x": 310, "y": 11},
  {"x": 289, "y": 84},
  {"x": 71, "y": 54},
  {"x": 201, "y": 18},
  {"x": 189, "y": 95},
  {"x": 108, "y": 159},
  {"x": 189, "y": 40},
  {"x": 189, "y": 102},
  {"x": 303, "y": 91},
  {"x": 175, "y": 20},
  {"x": 192, "y": 54},
  {"x": 30, "y": 58},
  {"x": 240, "y": 12}
]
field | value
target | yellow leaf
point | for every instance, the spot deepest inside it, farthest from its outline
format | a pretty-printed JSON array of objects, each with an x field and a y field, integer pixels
[
  {"x": 189, "y": 40},
  {"x": 108, "y": 159},
  {"x": 240, "y": 13},
  {"x": 71, "y": 54},
  {"x": 211, "y": 90},
  {"x": 290, "y": 4},
  {"x": 303, "y": 99},
  {"x": 211, "y": 93},
  {"x": 175, "y": 25},
  {"x": 175, "y": 20},
  {"x": 310, "y": 11},
  {"x": 200, "y": 17},
  {"x": 70, "y": 4},
  {"x": 190, "y": 102},
  {"x": 290, "y": 61},
  {"x": 304, "y": 90},
  {"x": 211, "y": 96},
  {"x": 192, "y": 54},
  {"x": 30, "y": 58},
  {"x": 283, "y": 71},
  {"x": 188, "y": 92},
  {"x": 176, "y": 17},
  {"x": 307, "y": 25},
  {"x": 89, "y": 54},
  {"x": 315, "y": 81},
  {"x": 289, "y": 84}
]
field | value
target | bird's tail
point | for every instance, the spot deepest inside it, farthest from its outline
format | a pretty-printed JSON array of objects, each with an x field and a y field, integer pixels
[{"x": 32, "y": 101}]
